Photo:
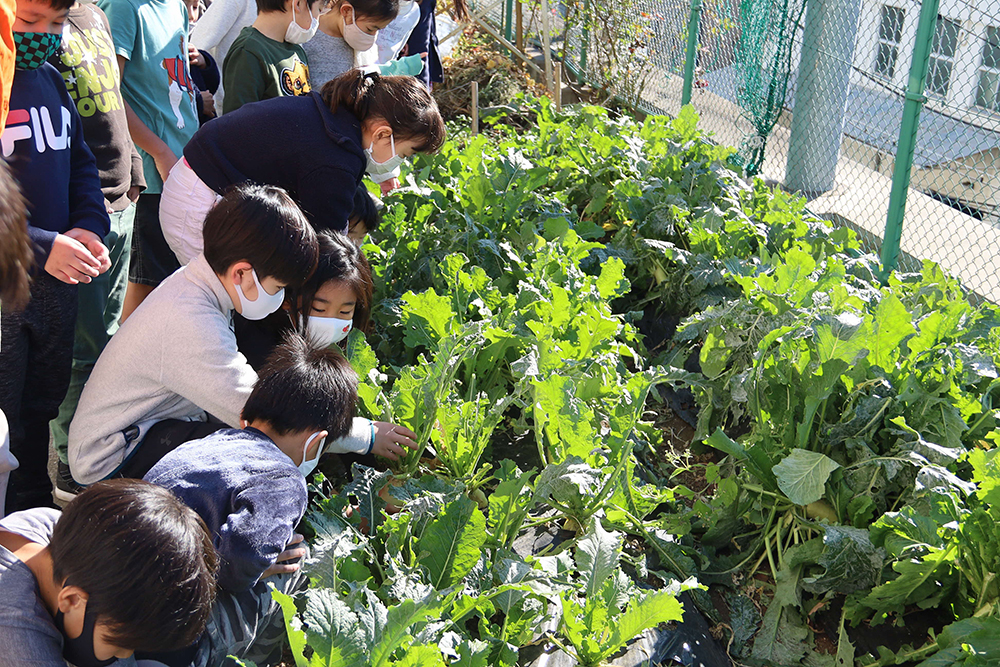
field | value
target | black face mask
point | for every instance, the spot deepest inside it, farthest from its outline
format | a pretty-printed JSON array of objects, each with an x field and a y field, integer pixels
[{"x": 80, "y": 651}]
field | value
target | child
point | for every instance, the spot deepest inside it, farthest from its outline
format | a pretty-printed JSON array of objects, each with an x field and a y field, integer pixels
[
  {"x": 90, "y": 71},
  {"x": 217, "y": 29},
  {"x": 249, "y": 485},
  {"x": 16, "y": 259},
  {"x": 366, "y": 216},
  {"x": 267, "y": 59},
  {"x": 160, "y": 378},
  {"x": 176, "y": 362},
  {"x": 424, "y": 39},
  {"x": 205, "y": 74},
  {"x": 335, "y": 299},
  {"x": 43, "y": 143},
  {"x": 150, "y": 40},
  {"x": 70, "y": 592},
  {"x": 346, "y": 37},
  {"x": 316, "y": 147}
]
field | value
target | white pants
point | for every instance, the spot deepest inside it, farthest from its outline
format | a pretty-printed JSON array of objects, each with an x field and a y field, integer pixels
[{"x": 185, "y": 202}]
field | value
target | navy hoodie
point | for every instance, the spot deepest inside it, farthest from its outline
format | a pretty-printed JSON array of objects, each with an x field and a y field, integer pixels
[
  {"x": 249, "y": 493},
  {"x": 43, "y": 143},
  {"x": 295, "y": 143}
]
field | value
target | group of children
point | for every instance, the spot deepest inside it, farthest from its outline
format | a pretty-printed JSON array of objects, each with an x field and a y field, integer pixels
[{"x": 181, "y": 210}]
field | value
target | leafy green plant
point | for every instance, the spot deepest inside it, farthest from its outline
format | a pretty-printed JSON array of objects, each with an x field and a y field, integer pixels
[{"x": 606, "y": 610}]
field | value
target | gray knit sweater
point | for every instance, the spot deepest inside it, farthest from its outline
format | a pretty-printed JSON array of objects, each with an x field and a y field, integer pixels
[{"x": 174, "y": 358}]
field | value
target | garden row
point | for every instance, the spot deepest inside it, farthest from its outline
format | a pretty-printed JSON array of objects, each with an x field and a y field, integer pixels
[{"x": 854, "y": 474}]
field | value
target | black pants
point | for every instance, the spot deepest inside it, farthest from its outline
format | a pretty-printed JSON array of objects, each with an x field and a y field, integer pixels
[
  {"x": 161, "y": 439},
  {"x": 36, "y": 356},
  {"x": 152, "y": 260}
]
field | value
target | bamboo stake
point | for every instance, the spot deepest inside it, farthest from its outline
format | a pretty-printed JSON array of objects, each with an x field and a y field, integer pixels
[
  {"x": 547, "y": 43},
  {"x": 475, "y": 108},
  {"x": 519, "y": 41},
  {"x": 557, "y": 70}
]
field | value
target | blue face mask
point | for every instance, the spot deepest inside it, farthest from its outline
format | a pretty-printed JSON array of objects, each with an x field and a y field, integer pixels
[{"x": 307, "y": 467}]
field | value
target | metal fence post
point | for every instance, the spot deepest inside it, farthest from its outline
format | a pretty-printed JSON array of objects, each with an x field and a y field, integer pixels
[
  {"x": 692, "y": 51},
  {"x": 547, "y": 43},
  {"x": 584, "y": 40},
  {"x": 915, "y": 100},
  {"x": 508, "y": 19}
]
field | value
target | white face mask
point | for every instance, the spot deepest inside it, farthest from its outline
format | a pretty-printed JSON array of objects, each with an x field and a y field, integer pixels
[
  {"x": 296, "y": 34},
  {"x": 383, "y": 171},
  {"x": 356, "y": 38},
  {"x": 325, "y": 331},
  {"x": 307, "y": 467},
  {"x": 263, "y": 305}
]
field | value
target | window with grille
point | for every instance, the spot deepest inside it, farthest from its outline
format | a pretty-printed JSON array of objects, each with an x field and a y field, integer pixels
[
  {"x": 890, "y": 32},
  {"x": 942, "y": 56},
  {"x": 988, "y": 95}
]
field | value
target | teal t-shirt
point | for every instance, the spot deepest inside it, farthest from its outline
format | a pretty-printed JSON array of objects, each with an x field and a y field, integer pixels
[{"x": 156, "y": 81}]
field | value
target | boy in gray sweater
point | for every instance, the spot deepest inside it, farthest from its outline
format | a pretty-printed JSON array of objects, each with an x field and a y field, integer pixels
[{"x": 173, "y": 373}]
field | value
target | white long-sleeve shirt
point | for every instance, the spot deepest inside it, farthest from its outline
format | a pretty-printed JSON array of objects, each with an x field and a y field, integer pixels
[{"x": 174, "y": 358}]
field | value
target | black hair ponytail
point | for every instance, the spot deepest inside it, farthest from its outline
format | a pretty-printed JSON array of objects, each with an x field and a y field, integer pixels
[{"x": 401, "y": 101}]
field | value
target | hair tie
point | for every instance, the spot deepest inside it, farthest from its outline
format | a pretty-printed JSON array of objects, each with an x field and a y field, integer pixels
[{"x": 371, "y": 72}]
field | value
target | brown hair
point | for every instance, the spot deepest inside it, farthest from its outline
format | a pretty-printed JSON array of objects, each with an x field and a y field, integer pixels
[
  {"x": 401, "y": 101},
  {"x": 262, "y": 225},
  {"x": 145, "y": 560},
  {"x": 303, "y": 387},
  {"x": 16, "y": 253}
]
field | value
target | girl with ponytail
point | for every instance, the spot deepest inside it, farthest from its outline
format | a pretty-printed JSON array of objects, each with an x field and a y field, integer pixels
[{"x": 317, "y": 147}]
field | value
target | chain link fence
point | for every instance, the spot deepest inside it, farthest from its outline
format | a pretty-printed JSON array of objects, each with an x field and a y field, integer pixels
[{"x": 820, "y": 96}]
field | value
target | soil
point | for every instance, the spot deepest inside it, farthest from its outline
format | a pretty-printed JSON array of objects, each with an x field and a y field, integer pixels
[{"x": 477, "y": 57}]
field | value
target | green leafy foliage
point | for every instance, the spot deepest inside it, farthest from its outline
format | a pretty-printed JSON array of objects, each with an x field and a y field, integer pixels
[{"x": 853, "y": 422}]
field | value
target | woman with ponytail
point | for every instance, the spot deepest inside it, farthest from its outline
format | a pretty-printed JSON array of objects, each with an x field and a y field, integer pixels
[{"x": 317, "y": 147}]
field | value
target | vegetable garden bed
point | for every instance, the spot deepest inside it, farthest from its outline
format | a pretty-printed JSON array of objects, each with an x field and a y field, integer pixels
[{"x": 841, "y": 476}]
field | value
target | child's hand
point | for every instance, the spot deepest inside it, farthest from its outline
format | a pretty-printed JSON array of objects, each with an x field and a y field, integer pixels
[
  {"x": 390, "y": 440},
  {"x": 281, "y": 566},
  {"x": 94, "y": 244},
  {"x": 195, "y": 58},
  {"x": 208, "y": 103},
  {"x": 71, "y": 262},
  {"x": 389, "y": 186}
]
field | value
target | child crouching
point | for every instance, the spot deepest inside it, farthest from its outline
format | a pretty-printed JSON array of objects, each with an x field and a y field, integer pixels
[{"x": 249, "y": 485}]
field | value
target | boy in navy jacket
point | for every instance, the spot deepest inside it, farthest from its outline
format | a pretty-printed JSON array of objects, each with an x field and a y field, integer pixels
[
  {"x": 44, "y": 146},
  {"x": 249, "y": 485}
]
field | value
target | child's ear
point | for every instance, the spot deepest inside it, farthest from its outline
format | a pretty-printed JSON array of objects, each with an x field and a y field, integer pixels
[
  {"x": 239, "y": 272},
  {"x": 70, "y": 597}
]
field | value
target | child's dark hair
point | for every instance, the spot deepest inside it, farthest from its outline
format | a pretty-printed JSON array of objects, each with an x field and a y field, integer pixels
[
  {"x": 262, "y": 225},
  {"x": 401, "y": 101},
  {"x": 365, "y": 210},
  {"x": 145, "y": 560},
  {"x": 16, "y": 253},
  {"x": 379, "y": 10},
  {"x": 303, "y": 387},
  {"x": 277, "y": 5},
  {"x": 341, "y": 260},
  {"x": 60, "y": 5}
]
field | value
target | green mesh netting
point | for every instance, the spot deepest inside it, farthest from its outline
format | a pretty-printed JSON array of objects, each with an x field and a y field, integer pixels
[{"x": 763, "y": 66}]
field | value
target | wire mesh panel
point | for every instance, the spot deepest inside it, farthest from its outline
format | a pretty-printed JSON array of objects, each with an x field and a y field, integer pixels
[{"x": 813, "y": 92}]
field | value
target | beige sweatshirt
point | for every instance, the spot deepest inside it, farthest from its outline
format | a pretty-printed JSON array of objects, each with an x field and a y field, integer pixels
[{"x": 174, "y": 358}]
